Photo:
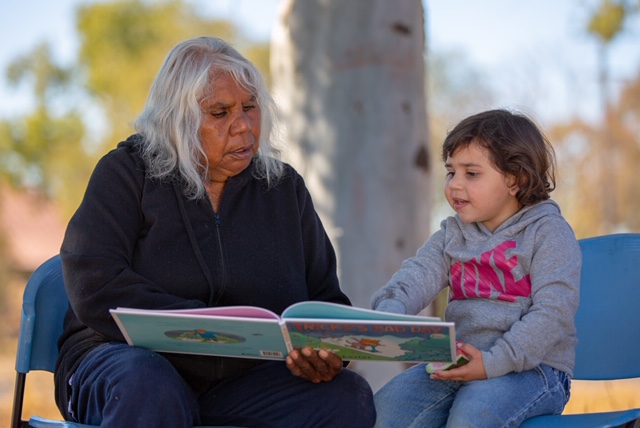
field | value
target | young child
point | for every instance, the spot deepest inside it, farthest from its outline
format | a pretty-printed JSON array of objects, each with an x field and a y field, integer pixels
[{"x": 512, "y": 265}]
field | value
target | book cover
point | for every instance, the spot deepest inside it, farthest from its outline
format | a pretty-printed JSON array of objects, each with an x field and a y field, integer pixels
[{"x": 251, "y": 332}]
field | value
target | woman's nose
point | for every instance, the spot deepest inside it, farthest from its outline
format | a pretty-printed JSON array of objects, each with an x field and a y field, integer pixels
[{"x": 241, "y": 124}]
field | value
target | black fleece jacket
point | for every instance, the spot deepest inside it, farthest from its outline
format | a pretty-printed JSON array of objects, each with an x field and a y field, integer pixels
[{"x": 138, "y": 242}]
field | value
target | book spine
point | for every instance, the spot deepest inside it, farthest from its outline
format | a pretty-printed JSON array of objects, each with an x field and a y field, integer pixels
[
  {"x": 116, "y": 318},
  {"x": 285, "y": 335}
]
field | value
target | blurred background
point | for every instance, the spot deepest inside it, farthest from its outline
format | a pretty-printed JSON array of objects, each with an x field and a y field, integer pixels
[{"x": 75, "y": 73}]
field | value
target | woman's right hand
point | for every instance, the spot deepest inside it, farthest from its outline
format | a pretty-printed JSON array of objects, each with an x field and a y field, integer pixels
[{"x": 314, "y": 366}]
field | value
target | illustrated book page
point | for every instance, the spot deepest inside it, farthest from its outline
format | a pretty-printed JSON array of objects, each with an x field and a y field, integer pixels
[{"x": 252, "y": 332}]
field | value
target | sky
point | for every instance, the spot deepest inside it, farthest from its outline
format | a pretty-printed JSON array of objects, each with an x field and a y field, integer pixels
[{"x": 535, "y": 54}]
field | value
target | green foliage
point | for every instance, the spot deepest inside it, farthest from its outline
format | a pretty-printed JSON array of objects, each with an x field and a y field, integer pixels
[
  {"x": 37, "y": 148},
  {"x": 603, "y": 158},
  {"x": 607, "y": 21},
  {"x": 38, "y": 66},
  {"x": 259, "y": 54},
  {"x": 122, "y": 45},
  {"x": 598, "y": 192}
]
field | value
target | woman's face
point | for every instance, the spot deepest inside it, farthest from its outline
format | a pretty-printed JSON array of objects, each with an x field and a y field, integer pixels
[{"x": 230, "y": 128}]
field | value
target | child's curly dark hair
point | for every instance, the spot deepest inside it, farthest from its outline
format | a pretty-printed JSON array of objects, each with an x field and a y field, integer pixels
[{"x": 516, "y": 146}]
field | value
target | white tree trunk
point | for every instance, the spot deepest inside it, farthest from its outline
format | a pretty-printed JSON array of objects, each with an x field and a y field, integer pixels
[{"x": 349, "y": 77}]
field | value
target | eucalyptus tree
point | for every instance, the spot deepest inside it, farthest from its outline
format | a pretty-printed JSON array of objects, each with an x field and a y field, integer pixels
[{"x": 350, "y": 78}]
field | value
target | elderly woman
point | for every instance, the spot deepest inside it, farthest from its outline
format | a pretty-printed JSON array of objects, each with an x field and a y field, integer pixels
[{"x": 196, "y": 210}]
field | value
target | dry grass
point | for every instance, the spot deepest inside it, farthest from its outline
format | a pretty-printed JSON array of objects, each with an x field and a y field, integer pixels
[
  {"x": 38, "y": 394},
  {"x": 595, "y": 396}
]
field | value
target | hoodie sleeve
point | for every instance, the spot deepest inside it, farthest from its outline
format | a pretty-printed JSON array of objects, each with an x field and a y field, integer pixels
[
  {"x": 419, "y": 280},
  {"x": 546, "y": 332}
]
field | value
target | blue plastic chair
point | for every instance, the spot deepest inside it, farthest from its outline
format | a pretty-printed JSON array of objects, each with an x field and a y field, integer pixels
[
  {"x": 44, "y": 305},
  {"x": 608, "y": 324}
]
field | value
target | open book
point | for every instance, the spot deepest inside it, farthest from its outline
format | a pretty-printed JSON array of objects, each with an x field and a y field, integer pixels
[{"x": 252, "y": 332}]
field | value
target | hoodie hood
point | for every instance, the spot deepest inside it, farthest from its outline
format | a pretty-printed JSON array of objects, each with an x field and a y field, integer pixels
[{"x": 513, "y": 226}]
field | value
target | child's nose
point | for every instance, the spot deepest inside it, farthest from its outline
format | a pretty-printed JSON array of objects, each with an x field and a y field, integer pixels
[{"x": 454, "y": 182}]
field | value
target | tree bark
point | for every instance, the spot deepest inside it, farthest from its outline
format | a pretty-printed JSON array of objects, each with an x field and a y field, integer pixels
[{"x": 350, "y": 79}]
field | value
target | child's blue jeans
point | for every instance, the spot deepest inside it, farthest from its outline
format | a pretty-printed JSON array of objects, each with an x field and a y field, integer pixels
[{"x": 412, "y": 399}]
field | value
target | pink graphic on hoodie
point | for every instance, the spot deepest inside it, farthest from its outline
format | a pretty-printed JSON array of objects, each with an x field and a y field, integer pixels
[{"x": 490, "y": 277}]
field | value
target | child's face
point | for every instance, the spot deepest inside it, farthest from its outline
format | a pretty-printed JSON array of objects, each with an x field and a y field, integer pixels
[{"x": 476, "y": 190}]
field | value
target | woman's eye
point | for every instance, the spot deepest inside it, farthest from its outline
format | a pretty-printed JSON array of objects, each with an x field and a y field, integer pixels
[
  {"x": 248, "y": 107},
  {"x": 219, "y": 114}
]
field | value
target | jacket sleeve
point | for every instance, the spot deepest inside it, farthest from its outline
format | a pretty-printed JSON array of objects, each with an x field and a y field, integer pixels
[{"x": 99, "y": 244}]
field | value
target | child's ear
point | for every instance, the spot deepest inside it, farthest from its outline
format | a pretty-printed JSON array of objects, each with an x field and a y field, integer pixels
[{"x": 512, "y": 184}]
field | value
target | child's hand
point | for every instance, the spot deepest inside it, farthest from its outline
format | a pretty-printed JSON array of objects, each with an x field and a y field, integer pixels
[{"x": 473, "y": 370}]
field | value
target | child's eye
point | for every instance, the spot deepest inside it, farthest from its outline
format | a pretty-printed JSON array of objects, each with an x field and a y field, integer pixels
[
  {"x": 449, "y": 174},
  {"x": 472, "y": 174}
]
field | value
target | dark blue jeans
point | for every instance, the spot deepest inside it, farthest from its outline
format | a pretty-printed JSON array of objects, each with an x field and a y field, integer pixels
[{"x": 121, "y": 386}]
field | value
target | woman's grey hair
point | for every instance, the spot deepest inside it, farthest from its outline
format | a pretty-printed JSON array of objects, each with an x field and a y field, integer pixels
[{"x": 170, "y": 121}]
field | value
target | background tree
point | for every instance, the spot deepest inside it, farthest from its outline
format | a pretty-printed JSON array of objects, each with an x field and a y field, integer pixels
[
  {"x": 605, "y": 24},
  {"x": 42, "y": 150},
  {"x": 350, "y": 79},
  {"x": 597, "y": 158},
  {"x": 123, "y": 44},
  {"x": 54, "y": 147},
  {"x": 604, "y": 166}
]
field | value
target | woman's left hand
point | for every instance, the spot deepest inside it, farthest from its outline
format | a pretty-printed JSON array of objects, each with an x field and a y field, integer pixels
[
  {"x": 314, "y": 366},
  {"x": 473, "y": 370}
]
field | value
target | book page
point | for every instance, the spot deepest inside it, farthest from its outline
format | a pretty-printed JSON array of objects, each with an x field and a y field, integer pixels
[
  {"x": 171, "y": 331},
  {"x": 326, "y": 310},
  {"x": 375, "y": 340},
  {"x": 226, "y": 311}
]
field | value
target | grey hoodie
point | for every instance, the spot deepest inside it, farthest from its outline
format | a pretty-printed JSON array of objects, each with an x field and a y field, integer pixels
[{"x": 513, "y": 293}]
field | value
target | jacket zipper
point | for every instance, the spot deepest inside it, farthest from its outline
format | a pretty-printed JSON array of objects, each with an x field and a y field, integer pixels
[{"x": 222, "y": 265}]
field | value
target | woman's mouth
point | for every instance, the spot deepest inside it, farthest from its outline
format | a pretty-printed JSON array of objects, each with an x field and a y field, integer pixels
[{"x": 244, "y": 152}]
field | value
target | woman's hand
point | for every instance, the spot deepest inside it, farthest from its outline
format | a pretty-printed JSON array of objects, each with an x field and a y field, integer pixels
[
  {"x": 473, "y": 370},
  {"x": 314, "y": 366}
]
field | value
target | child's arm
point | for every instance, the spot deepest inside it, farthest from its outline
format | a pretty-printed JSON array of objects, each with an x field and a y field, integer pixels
[{"x": 414, "y": 286}]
